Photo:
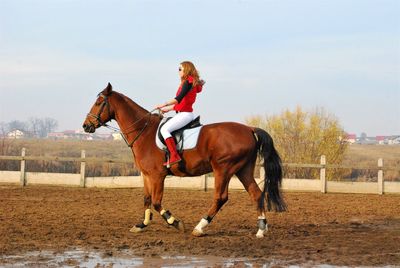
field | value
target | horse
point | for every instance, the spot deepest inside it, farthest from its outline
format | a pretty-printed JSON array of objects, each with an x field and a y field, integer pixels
[{"x": 225, "y": 148}]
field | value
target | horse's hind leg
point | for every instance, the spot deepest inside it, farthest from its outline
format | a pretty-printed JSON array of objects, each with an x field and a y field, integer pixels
[
  {"x": 246, "y": 176},
  {"x": 148, "y": 215},
  {"x": 220, "y": 198}
]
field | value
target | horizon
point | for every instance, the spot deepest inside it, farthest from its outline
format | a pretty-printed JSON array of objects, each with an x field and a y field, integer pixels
[{"x": 257, "y": 57}]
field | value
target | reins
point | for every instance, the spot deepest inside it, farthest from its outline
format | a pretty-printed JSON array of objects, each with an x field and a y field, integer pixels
[{"x": 123, "y": 133}]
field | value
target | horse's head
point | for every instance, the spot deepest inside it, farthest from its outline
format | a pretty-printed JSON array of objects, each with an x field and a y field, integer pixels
[{"x": 100, "y": 113}]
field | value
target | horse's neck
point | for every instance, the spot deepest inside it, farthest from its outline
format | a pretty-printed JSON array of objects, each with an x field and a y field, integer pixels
[{"x": 127, "y": 112}]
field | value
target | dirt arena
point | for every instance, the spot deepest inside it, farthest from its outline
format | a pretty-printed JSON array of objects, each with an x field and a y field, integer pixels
[{"x": 333, "y": 229}]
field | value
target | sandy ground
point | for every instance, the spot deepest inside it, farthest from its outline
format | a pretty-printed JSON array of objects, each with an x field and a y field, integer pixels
[{"x": 334, "y": 229}]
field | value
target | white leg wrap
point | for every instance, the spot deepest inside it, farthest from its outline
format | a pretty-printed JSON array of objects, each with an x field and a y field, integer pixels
[
  {"x": 170, "y": 220},
  {"x": 262, "y": 226},
  {"x": 147, "y": 216},
  {"x": 202, "y": 224}
]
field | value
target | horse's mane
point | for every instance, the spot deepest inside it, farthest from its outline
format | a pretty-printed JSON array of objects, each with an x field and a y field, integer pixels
[
  {"x": 133, "y": 105},
  {"x": 129, "y": 101}
]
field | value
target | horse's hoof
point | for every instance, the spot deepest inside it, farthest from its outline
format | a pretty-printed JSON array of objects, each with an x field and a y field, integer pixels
[
  {"x": 179, "y": 225},
  {"x": 136, "y": 229},
  {"x": 197, "y": 233}
]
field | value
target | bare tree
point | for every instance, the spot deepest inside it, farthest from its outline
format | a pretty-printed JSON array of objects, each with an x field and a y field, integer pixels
[
  {"x": 40, "y": 127},
  {"x": 34, "y": 127},
  {"x": 35, "y": 124},
  {"x": 4, "y": 142},
  {"x": 48, "y": 125},
  {"x": 17, "y": 125},
  {"x": 3, "y": 129}
]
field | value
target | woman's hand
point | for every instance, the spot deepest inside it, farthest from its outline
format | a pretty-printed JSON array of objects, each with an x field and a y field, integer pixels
[
  {"x": 166, "y": 109},
  {"x": 159, "y": 106}
]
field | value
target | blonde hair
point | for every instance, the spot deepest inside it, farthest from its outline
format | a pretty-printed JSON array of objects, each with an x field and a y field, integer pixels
[{"x": 190, "y": 70}]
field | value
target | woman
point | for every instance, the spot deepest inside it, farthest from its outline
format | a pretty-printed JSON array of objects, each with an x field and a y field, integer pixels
[{"x": 183, "y": 105}]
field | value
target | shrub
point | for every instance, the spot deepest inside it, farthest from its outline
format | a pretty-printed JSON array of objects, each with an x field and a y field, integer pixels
[{"x": 302, "y": 137}]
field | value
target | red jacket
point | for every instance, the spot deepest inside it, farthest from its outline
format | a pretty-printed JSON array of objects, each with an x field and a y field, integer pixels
[{"x": 186, "y": 105}]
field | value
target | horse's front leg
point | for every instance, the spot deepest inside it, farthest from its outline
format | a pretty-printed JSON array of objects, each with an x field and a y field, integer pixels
[
  {"x": 156, "y": 198},
  {"x": 148, "y": 215}
]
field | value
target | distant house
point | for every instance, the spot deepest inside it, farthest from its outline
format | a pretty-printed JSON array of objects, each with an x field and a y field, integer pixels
[
  {"x": 71, "y": 134},
  {"x": 350, "y": 138},
  {"x": 104, "y": 136},
  {"x": 15, "y": 134},
  {"x": 393, "y": 140},
  {"x": 79, "y": 135},
  {"x": 55, "y": 135},
  {"x": 366, "y": 140},
  {"x": 380, "y": 139}
]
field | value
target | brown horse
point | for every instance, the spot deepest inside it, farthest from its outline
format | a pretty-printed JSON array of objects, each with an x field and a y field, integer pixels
[{"x": 226, "y": 149}]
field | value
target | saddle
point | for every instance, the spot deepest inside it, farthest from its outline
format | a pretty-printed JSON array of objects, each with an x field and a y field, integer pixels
[{"x": 185, "y": 137}]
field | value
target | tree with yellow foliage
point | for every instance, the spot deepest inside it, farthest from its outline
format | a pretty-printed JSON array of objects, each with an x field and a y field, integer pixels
[{"x": 302, "y": 137}]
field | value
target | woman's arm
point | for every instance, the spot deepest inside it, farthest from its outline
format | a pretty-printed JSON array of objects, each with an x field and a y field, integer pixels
[
  {"x": 167, "y": 108},
  {"x": 169, "y": 105},
  {"x": 186, "y": 87}
]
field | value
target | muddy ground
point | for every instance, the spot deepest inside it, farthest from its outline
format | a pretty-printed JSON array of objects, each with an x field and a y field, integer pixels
[{"x": 335, "y": 229}]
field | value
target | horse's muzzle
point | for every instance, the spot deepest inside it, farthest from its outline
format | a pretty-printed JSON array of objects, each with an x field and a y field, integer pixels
[{"x": 89, "y": 127}]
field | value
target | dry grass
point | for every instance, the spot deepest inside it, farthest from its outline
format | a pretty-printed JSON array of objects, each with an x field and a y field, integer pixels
[
  {"x": 71, "y": 148},
  {"x": 368, "y": 155}
]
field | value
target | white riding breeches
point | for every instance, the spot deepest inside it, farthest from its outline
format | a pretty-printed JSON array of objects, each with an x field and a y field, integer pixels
[{"x": 178, "y": 121}]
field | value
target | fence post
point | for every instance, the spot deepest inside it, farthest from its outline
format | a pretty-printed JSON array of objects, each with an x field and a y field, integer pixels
[
  {"x": 380, "y": 176},
  {"x": 83, "y": 167},
  {"x": 23, "y": 177},
  {"x": 322, "y": 174},
  {"x": 205, "y": 182}
]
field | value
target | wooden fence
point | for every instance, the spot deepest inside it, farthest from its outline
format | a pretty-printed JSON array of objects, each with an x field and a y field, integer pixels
[{"x": 22, "y": 177}]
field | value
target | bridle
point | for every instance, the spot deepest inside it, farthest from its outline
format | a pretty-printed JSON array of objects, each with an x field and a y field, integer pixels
[
  {"x": 129, "y": 130},
  {"x": 103, "y": 105}
]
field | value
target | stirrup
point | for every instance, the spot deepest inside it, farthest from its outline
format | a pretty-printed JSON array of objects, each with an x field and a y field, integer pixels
[{"x": 169, "y": 164}]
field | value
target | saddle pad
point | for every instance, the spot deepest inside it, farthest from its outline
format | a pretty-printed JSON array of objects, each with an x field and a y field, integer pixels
[{"x": 190, "y": 137}]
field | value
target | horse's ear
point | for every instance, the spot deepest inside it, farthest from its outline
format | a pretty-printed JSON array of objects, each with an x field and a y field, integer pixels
[{"x": 107, "y": 91}]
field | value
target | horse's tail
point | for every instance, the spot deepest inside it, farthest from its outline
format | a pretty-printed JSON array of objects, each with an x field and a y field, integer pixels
[{"x": 273, "y": 172}]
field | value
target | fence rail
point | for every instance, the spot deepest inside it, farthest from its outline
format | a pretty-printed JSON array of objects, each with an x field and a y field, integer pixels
[
  {"x": 65, "y": 159},
  {"x": 129, "y": 161},
  {"x": 323, "y": 185}
]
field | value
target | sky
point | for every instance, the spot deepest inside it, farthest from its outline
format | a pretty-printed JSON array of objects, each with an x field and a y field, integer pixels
[{"x": 257, "y": 57}]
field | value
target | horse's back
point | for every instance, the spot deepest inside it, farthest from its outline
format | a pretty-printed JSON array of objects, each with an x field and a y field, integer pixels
[
  {"x": 229, "y": 127},
  {"x": 228, "y": 133}
]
